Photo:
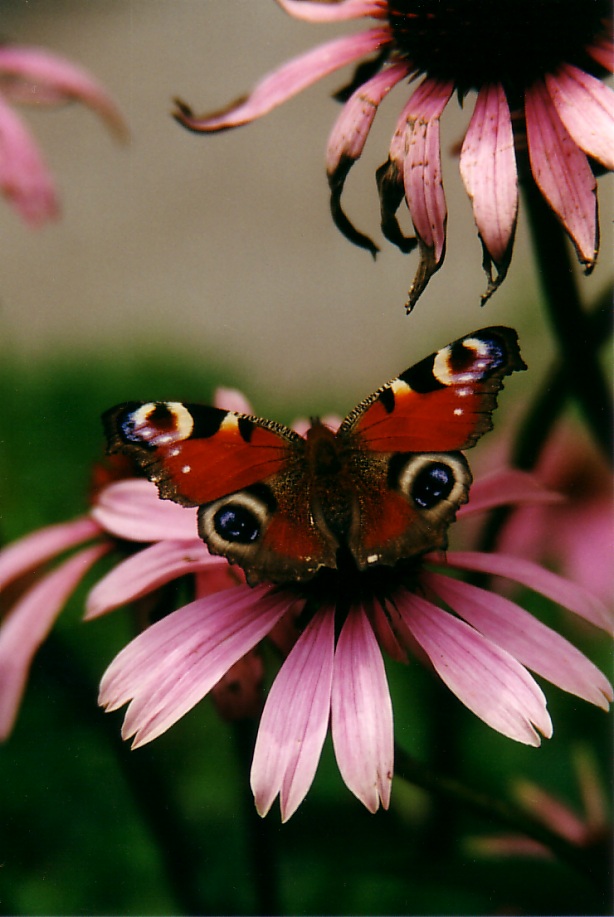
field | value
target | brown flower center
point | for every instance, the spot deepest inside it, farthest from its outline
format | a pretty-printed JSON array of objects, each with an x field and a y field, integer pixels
[{"x": 474, "y": 42}]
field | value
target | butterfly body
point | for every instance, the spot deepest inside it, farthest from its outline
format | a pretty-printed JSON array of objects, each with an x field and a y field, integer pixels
[{"x": 383, "y": 487}]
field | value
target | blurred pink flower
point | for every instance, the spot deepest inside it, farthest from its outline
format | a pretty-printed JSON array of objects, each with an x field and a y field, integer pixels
[
  {"x": 333, "y": 630},
  {"x": 586, "y": 829},
  {"x": 34, "y": 76},
  {"x": 536, "y": 73},
  {"x": 576, "y": 534}
]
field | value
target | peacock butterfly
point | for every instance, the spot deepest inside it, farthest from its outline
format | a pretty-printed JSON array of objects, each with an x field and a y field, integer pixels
[{"x": 382, "y": 488}]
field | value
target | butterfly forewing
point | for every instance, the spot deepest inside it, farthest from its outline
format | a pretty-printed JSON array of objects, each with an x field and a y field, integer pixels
[
  {"x": 444, "y": 402},
  {"x": 195, "y": 453}
]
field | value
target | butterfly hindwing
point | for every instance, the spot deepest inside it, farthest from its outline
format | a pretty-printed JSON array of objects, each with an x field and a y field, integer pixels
[
  {"x": 406, "y": 511},
  {"x": 244, "y": 473},
  {"x": 268, "y": 528}
]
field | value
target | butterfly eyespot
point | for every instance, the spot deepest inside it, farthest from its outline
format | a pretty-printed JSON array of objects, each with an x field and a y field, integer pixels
[
  {"x": 430, "y": 478},
  {"x": 432, "y": 484},
  {"x": 157, "y": 423},
  {"x": 236, "y": 523}
]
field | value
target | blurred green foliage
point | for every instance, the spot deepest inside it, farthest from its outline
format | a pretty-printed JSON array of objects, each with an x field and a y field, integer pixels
[{"x": 89, "y": 827}]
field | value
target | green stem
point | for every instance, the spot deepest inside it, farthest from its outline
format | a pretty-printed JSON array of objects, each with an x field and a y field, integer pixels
[
  {"x": 569, "y": 322},
  {"x": 261, "y": 839},
  {"x": 547, "y": 407}
]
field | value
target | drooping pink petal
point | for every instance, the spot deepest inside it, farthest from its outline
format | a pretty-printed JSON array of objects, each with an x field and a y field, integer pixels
[
  {"x": 509, "y": 486},
  {"x": 562, "y": 172},
  {"x": 422, "y": 177},
  {"x": 290, "y": 79},
  {"x": 132, "y": 509},
  {"x": 36, "y": 549},
  {"x": 404, "y": 635},
  {"x": 36, "y": 76},
  {"x": 347, "y": 141},
  {"x": 295, "y": 719},
  {"x": 29, "y": 623},
  {"x": 168, "y": 668},
  {"x": 148, "y": 570},
  {"x": 586, "y": 107},
  {"x": 488, "y": 170},
  {"x": 361, "y": 713},
  {"x": 351, "y": 129},
  {"x": 484, "y": 677},
  {"x": 571, "y": 596},
  {"x": 423, "y": 183},
  {"x": 528, "y": 640},
  {"x": 576, "y": 536},
  {"x": 24, "y": 178},
  {"x": 311, "y": 11},
  {"x": 390, "y": 184}
]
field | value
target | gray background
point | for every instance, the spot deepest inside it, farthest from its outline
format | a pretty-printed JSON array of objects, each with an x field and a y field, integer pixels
[{"x": 222, "y": 247}]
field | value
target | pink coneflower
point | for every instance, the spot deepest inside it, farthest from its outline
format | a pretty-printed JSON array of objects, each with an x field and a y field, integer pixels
[
  {"x": 34, "y": 593},
  {"x": 38, "y": 576},
  {"x": 536, "y": 68},
  {"x": 334, "y": 629},
  {"x": 34, "y": 76}
]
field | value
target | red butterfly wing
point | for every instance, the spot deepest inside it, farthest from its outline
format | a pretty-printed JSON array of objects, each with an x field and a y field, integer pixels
[
  {"x": 441, "y": 404},
  {"x": 195, "y": 453},
  {"x": 247, "y": 475},
  {"x": 404, "y": 442},
  {"x": 405, "y": 503}
]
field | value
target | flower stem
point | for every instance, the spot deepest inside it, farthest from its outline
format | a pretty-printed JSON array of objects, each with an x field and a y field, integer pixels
[
  {"x": 547, "y": 407},
  {"x": 584, "y": 860},
  {"x": 569, "y": 322},
  {"x": 261, "y": 839}
]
